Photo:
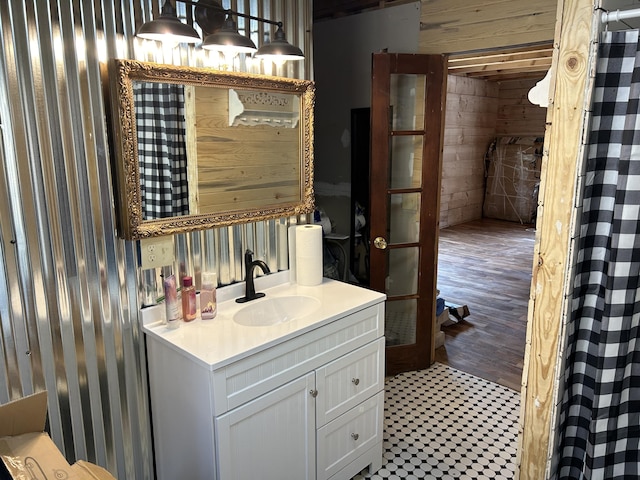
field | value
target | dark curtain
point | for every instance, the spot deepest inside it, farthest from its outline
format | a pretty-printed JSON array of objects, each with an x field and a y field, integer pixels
[
  {"x": 600, "y": 412},
  {"x": 162, "y": 150}
]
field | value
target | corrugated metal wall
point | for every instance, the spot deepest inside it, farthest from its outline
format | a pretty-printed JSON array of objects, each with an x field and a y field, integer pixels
[{"x": 70, "y": 290}]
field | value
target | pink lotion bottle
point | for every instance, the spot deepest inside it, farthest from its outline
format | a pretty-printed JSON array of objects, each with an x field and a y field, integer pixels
[{"x": 188, "y": 299}]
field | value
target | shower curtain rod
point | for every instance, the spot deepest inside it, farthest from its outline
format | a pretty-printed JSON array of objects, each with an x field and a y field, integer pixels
[{"x": 620, "y": 15}]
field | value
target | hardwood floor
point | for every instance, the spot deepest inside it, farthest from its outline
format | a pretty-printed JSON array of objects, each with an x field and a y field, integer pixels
[{"x": 487, "y": 265}]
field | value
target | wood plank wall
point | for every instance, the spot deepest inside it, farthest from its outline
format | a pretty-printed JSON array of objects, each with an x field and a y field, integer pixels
[
  {"x": 454, "y": 26},
  {"x": 517, "y": 116},
  {"x": 231, "y": 173},
  {"x": 477, "y": 112},
  {"x": 472, "y": 109}
]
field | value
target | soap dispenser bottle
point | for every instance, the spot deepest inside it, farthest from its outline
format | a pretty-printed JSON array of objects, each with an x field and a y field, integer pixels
[{"x": 188, "y": 299}]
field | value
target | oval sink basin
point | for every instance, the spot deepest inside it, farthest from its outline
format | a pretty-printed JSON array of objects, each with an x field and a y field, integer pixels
[{"x": 273, "y": 310}]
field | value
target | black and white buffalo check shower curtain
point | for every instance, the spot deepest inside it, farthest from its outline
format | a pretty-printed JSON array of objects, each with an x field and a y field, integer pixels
[
  {"x": 162, "y": 153},
  {"x": 600, "y": 414}
]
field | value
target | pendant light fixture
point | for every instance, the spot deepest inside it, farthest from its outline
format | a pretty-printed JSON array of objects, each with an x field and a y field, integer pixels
[
  {"x": 278, "y": 49},
  {"x": 227, "y": 40},
  {"x": 168, "y": 28},
  {"x": 222, "y": 36}
]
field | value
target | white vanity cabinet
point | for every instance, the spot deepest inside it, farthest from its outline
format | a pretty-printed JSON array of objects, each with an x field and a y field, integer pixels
[{"x": 306, "y": 405}]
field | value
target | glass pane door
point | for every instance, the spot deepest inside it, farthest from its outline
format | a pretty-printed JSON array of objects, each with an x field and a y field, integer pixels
[{"x": 405, "y": 160}]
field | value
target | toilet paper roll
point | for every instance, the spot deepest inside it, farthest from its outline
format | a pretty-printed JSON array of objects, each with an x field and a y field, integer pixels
[{"x": 308, "y": 255}]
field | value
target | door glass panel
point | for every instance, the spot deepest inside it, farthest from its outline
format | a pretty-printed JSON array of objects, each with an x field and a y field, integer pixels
[
  {"x": 406, "y": 161},
  {"x": 402, "y": 271},
  {"x": 407, "y": 101},
  {"x": 400, "y": 322},
  {"x": 404, "y": 218}
]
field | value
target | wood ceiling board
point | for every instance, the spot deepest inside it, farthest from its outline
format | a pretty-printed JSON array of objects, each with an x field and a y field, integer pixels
[
  {"x": 537, "y": 65},
  {"x": 456, "y": 13},
  {"x": 527, "y": 61},
  {"x": 451, "y": 26},
  {"x": 487, "y": 58},
  {"x": 506, "y": 76}
]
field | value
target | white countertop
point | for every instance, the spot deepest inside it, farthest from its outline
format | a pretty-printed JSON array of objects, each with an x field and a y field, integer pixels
[{"x": 220, "y": 341}]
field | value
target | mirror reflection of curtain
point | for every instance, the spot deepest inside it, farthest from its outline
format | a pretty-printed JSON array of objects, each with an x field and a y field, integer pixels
[
  {"x": 162, "y": 153},
  {"x": 600, "y": 414}
]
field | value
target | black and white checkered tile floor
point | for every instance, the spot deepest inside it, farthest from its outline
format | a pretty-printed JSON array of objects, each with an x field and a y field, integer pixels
[{"x": 441, "y": 423}]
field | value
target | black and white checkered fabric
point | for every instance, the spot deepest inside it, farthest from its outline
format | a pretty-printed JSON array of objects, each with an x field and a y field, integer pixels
[
  {"x": 162, "y": 151},
  {"x": 600, "y": 414}
]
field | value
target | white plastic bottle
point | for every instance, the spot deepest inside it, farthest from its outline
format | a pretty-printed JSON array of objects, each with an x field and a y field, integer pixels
[
  {"x": 208, "y": 303},
  {"x": 171, "y": 301}
]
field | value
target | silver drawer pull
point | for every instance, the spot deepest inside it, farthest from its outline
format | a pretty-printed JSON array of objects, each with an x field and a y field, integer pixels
[
  {"x": 355, "y": 436},
  {"x": 355, "y": 381},
  {"x": 314, "y": 393}
]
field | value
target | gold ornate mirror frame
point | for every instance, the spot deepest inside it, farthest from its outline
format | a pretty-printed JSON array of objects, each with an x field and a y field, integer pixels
[{"x": 120, "y": 90}]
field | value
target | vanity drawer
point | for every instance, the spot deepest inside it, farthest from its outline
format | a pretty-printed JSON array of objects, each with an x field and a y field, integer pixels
[
  {"x": 341, "y": 441},
  {"x": 260, "y": 373},
  {"x": 347, "y": 381}
]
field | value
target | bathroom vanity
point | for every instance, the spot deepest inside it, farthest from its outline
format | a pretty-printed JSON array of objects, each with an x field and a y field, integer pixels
[{"x": 289, "y": 386}]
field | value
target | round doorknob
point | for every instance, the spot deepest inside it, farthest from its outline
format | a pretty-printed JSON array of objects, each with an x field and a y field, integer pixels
[{"x": 380, "y": 243}]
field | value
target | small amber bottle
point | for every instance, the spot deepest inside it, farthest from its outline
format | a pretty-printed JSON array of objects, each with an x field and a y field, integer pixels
[{"x": 188, "y": 299}]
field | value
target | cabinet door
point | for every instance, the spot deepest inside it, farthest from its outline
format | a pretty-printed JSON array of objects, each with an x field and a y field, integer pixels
[{"x": 271, "y": 437}]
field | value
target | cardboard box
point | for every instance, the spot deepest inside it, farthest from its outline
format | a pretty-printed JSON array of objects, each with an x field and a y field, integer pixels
[
  {"x": 513, "y": 178},
  {"x": 27, "y": 452}
]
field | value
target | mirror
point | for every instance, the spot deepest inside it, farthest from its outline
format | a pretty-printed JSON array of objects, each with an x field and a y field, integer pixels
[{"x": 197, "y": 148}]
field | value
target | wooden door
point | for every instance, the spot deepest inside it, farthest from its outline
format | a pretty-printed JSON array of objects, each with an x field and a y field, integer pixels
[{"x": 407, "y": 113}]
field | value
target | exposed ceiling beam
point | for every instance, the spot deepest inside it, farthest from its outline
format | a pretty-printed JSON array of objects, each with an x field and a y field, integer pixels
[
  {"x": 506, "y": 64},
  {"x": 536, "y": 65},
  {"x": 508, "y": 76}
]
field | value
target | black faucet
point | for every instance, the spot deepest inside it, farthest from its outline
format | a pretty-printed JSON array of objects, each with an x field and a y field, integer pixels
[{"x": 249, "y": 266}]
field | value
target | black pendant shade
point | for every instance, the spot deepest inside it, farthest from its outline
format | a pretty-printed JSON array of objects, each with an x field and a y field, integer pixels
[
  {"x": 227, "y": 39},
  {"x": 279, "y": 48},
  {"x": 168, "y": 27}
]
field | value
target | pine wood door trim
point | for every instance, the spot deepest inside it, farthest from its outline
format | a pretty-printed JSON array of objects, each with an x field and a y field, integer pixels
[{"x": 567, "y": 116}]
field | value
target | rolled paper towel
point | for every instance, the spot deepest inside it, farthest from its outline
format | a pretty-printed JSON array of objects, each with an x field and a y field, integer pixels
[{"x": 308, "y": 255}]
